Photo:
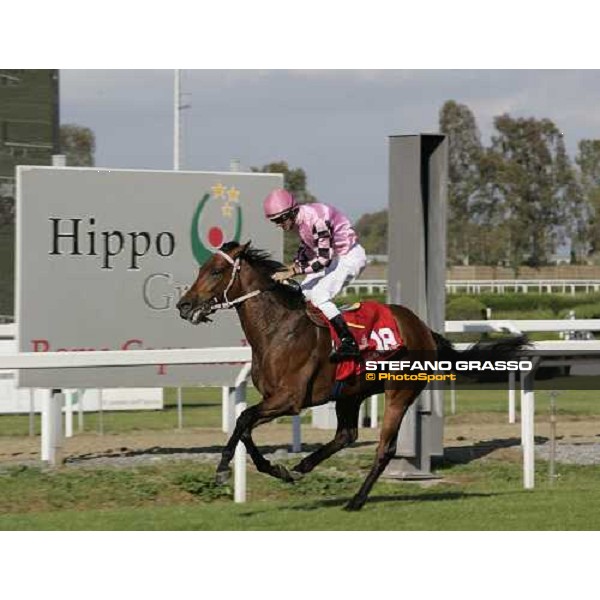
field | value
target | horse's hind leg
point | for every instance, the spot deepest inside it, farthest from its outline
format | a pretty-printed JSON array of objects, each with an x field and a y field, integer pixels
[
  {"x": 397, "y": 403},
  {"x": 346, "y": 411}
]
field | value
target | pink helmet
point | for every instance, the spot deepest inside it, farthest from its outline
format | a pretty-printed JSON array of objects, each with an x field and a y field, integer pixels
[{"x": 278, "y": 202}]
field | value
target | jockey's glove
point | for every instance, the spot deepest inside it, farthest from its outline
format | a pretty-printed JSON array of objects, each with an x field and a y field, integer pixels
[{"x": 287, "y": 273}]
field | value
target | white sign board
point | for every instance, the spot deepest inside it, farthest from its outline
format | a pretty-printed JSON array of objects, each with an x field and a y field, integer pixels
[{"x": 104, "y": 255}]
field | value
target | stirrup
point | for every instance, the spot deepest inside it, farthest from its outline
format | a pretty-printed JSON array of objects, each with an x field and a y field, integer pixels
[{"x": 348, "y": 349}]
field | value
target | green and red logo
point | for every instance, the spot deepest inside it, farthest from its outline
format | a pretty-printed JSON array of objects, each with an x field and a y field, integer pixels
[{"x": 217, "y": 219}]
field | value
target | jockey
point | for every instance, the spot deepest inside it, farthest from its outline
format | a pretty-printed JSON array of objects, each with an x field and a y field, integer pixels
[{"x": 329, "y": 255}]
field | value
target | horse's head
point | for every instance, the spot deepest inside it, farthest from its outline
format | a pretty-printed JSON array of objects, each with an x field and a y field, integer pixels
[{"x": 215, "y": 282}]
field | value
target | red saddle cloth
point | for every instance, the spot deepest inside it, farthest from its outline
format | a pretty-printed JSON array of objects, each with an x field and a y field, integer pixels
[{"x": 376, "y": 332}]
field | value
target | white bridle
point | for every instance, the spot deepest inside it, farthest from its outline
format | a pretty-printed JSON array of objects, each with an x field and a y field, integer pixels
[{"x": 236, "y": 267}]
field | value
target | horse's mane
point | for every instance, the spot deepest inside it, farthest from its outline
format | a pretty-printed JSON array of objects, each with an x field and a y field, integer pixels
[{"x": 262, "y": 262}]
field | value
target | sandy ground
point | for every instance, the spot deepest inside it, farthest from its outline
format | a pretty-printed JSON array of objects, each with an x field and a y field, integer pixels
[{"x": 489, "y": 432}]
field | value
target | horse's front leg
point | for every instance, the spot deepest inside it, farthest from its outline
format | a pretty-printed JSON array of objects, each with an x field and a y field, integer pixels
[
  {"x": 252, "y": 417},
  {"x": 262, "y": 464},
  {"x": 246, "y": 419}
]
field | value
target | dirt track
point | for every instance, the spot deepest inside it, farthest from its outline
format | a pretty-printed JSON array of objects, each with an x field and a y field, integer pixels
[{"x": 489, "y": 431}]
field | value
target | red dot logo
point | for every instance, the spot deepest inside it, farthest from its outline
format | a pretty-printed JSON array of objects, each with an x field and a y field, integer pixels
[
  {"x": 215, "y": 237},
  {"x": 211, "y": 230}
]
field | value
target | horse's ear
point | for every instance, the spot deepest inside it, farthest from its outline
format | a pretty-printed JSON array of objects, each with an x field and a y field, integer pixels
[{"x": 246, "y": 246}]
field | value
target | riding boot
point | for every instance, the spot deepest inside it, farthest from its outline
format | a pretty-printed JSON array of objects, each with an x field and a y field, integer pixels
[{"x": 348, "y": 347}]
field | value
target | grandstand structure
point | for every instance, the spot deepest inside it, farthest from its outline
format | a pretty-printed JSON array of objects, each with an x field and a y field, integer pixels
[
  {"x": 29, "y": 121},
  {"x": 29, "y": 134}
]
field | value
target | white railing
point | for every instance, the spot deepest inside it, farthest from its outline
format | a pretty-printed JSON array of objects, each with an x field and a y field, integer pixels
[
  {"x": 523, "y": 325},
  {"x": 51, "y": 415},
  {"x": 120, "y": 358},
  {"x": 564, "y": 353},
  {"x": 52, "y": 403},
  {"x": 478, "y": 286},
  {"x": 371, "y": 286},
  {"x": 500, "y": 286}
]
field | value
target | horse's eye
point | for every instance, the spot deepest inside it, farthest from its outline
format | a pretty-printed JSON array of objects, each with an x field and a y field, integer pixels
[{"x": 216, "y": 272}]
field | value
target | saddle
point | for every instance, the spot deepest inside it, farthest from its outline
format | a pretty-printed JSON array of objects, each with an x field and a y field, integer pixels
[
  {"x": 320, "y": 320},
  {"x": 374, "y": 328}
]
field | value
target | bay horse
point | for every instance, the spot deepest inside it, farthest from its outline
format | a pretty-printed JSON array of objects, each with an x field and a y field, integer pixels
[{"x": 290, "y": 360}]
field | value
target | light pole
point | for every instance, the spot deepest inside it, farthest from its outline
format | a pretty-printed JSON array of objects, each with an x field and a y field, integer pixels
[
  {"x": 177, "y": 108},
  {"x": 176, "y": 115}
]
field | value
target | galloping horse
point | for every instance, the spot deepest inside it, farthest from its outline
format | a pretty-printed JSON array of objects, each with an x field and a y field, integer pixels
[{"x": 290, "y": 360}]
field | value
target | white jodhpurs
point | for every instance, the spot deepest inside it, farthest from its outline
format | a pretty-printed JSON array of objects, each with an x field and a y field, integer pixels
[{"x": 320, "y": 288}]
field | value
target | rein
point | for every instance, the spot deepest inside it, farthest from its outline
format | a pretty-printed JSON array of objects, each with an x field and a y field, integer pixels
[{"x": 215, "y": 306}]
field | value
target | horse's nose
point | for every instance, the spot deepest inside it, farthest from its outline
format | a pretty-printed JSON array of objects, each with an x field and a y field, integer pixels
[{"x": 184, "y": 306}]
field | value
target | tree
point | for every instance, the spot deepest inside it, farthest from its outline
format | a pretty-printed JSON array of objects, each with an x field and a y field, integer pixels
[
  {"x": 529, "y": 185},
  {"x": 294, "y": 180},
  {"x": 588, "y": 161},
  {"x": 78, "y": 144},
  {"x": 465, "y": 149},
  {"x": 372, "y": 230}
]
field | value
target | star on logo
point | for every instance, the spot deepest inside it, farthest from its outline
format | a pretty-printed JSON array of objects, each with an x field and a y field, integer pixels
[
  {"x": 227, "y": 210},
  {"x": 218, "y": 190},
  {"x": 233, "y": 194}
]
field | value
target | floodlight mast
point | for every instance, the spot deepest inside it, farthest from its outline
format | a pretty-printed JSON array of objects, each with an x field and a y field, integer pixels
[
  {"x": 177, "y": 119},
  {"x": 177, "y": 108}
]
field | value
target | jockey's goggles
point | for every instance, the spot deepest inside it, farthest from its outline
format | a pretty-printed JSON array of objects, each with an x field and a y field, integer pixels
[{"x": 279, "y": 219}]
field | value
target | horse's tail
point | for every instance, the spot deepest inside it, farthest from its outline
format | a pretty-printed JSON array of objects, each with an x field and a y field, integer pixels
[{"x": 510, "y": 348}]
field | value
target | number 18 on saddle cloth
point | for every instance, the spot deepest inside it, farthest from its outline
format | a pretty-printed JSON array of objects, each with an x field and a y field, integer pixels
[{"x": 376, "y": 332}]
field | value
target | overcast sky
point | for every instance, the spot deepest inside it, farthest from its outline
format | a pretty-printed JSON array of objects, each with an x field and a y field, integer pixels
[{"x": 334, "y": 124}]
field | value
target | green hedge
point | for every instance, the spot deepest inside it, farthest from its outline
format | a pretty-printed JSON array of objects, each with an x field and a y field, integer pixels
[
  {"x": 527, "y": 302},
  {"x": 464, "y": 307},
  {"x": 508, "y": 306},
  {"x": 584, "y": 311},
  {"x": 523, "y": 314}
]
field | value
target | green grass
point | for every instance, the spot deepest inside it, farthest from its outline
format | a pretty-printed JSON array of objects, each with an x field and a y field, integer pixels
[
  {"x": 470, "y": 400},
  {"x": 483, "y": 495},
  {"x": 201, "y": 408}
]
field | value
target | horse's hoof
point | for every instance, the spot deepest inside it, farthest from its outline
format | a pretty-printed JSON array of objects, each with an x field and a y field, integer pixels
[
  {"x": 222, "y": 477},
  {"x": 281, "y": 472},
  {"x": 296, "y": 475}
]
